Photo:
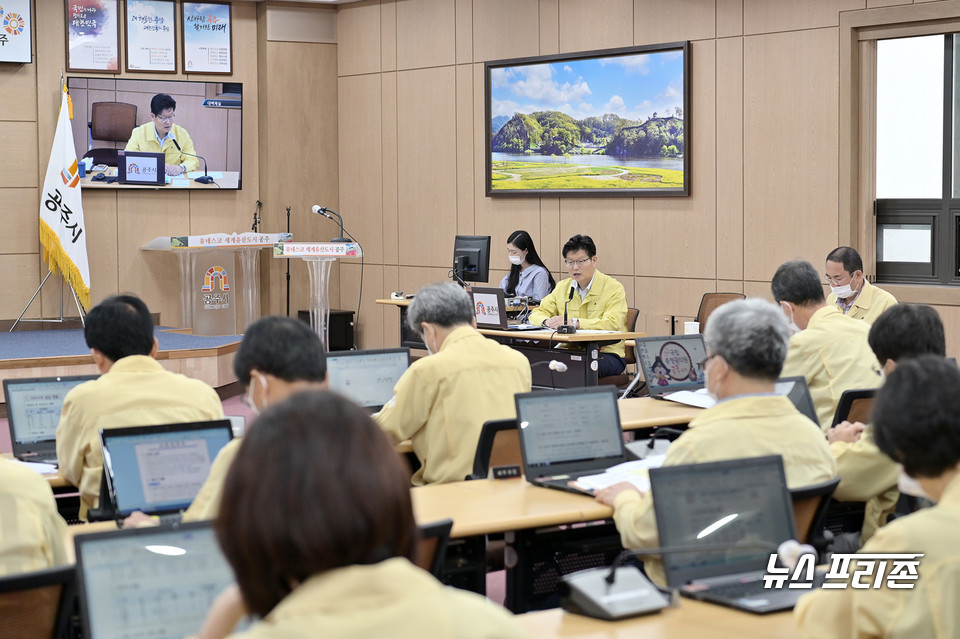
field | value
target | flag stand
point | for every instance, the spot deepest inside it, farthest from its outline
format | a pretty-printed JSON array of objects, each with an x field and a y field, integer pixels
[{"x": 60, "y": 319}]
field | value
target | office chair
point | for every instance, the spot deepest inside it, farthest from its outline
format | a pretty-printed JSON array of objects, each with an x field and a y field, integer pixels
[
  {"x": 624, "y": 379},
  {"x": 710, "y": 302},
  {"x": 499, "y": 445},
  {"x": 855, "y": 405},
  {"x": 810, "y": 510},
  {"x": 37, "y": 605},
  {"x": 113, "y": 122},
  {"x": 434, "y": 538}
]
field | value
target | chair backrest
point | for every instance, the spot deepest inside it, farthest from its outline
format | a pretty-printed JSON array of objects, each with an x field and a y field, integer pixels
[
  {"x": 855, "y": 405},
  {"x": 631, "y": 324},
  {"x": 112, "y": 121},
  {"x": 810, "y": 508},
  {"x": 434, "y": 538},
  {"x": 37, "y": 605},
  {"x": 711, "y": 301},
  {"x": 499, "y": 445}
]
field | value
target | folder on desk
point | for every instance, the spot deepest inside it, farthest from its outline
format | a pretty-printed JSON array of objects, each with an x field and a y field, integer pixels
[{"x": 568, "y": 434}]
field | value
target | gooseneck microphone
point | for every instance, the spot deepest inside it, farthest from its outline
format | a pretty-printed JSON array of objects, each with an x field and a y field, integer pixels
[
  {"x": 203, "y": 179},
  {"x": 325, "y": 212},
  {"x": 567, "y": 328}
]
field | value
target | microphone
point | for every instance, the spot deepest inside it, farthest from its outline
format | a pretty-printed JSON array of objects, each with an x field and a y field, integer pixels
[
  {"x": 203, "y": 179},
  {"x": 567, "y": 328},
  {"x": 553, "y": 365},
  {"x": 325, "y": 212}
]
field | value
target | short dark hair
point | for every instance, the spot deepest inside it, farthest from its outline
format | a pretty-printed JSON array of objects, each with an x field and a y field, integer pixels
[
  {"x": 580, "y": 242},
  {"x": 916, "y": 416},
  {"x": 283, "y": 347},
  {"x": 848, "y": 256},
  {"x": 905, "y": 331},
  {"x": 797, "y": 282},
  {"x": 315, "y": 486},
  {"x": 119, "y": 327},
  {"x": 161, "y": 102}
]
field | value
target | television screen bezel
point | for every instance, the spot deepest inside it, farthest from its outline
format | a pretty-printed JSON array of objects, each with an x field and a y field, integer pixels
[
  {"x": 480, "y": 243},
  {"x": 682, "y": 46}
]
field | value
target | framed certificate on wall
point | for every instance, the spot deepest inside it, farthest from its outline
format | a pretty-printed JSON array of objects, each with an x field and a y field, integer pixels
[
  {"x": 151, "y": 36},
  {"x": 207, "y": 38},
  {"x": 93, "y": 36},
  {"x": 16, "y": 31}
]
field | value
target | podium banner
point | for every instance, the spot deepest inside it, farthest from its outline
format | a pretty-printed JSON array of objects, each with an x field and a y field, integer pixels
[
  {"x": 316, "y": 249},
  {"x": 216, "y": 240}
]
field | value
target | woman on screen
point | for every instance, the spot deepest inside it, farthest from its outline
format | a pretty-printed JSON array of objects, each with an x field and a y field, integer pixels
[
  {"x": 528, "y": 276},
  {"x": 317, "y": 523}
]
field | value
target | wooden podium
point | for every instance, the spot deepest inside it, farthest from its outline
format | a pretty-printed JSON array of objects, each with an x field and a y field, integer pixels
[
  {"x": 318, "y": 256},
  {"x": 207, "y": 280}
]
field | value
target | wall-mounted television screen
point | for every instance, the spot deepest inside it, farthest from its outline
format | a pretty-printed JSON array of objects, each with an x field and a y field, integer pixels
[
  {"x": 612, "y": 122},
  {"x": 210, "y": 112}
]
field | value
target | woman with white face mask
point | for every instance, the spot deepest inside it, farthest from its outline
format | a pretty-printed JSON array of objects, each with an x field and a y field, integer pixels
[{"x": 528, "y": 277}]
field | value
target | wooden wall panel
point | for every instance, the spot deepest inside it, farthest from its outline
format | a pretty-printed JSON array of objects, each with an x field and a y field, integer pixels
[
  {"x": 19, "y": 217},
  {"x": 390, "y": 164},
  {"x": 587, "y": 25},
  {"x": 469, "y": 119},
  {"x": 609, "y": 222},
  {"x": 21, "y": 276},
  {"x": 426, "y": 33},
  {"x": 694, "y": 20},
  {"x": 729, "y": 18},
  {"x": 766, "y": 16},
  {"x": 388, "y": 314},
  {"x": 465, "y": 29},
  {"x": 551, "y": 240},
  {"x": 359, "y": 38},
  {"x": 413, "y": 278},
  {"x": 20, "y": 157},
  {"x": 729, "y": 240},
  {"x": 18, "y": 80},
  {"x": 659, "y": 297},
  {"x": 369, "y": 330},
  {"x": 103, "y": 244},
  {"x": 503, "y": 28},
  {"x": 427, "y": 190},
  {"x": 388, "y": 34},
  {"x": 690, "y": 222},
  {"x": 549, "y": 27},
  {"x": 790, "y": 149},
  {"x": 759, "y": 289},
  {"x": 361, "y": 196}
]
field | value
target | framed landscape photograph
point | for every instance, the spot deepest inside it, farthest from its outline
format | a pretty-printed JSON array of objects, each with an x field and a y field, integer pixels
[
  {"x": 605, "y": 123},
  {"x": 151, "y": 36}
]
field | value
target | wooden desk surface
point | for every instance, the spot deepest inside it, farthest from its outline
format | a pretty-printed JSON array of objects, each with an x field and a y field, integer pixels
[
  {"x": 230, "y": 180},
  {"x": 83, "y": 529},
  {"x": 491, "y": 506},
  {"x": 55, "y": 480},
  {"x": 561, "y": 338},
  {"x": 690, "y": 619}
]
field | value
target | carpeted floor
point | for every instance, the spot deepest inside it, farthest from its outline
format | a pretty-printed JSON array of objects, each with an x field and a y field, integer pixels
[{"x": 64, "y": 343}]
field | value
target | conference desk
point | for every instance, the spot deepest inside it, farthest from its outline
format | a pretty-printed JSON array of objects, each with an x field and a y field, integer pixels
[
  {"x": 690, "y": 619},
  {"x": 538, "y": 347},
  {"x": 230, "y": 180},
  {"x": 54, "y": 478}
]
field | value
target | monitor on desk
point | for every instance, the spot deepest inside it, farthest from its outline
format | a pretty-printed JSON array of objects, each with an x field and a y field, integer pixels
[
  {"x": 367, "y": 377},
  {"x": 471, "y": 258},
  {"x": 139, "y": 167}
]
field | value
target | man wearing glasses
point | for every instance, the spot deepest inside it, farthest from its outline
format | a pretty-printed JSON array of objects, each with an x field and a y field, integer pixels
[
  {"x": 594, "y": 301},
  {"x": 161, "y": 135},
  {"x": 850, "y": 290}
]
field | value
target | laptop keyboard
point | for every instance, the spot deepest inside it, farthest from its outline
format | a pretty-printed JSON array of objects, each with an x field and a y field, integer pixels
[{"x": 753, "y": 588}]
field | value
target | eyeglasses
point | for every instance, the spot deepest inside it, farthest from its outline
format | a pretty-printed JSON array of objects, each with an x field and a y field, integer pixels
[
  {"x": 166, "y": 119},
  {"x": 572, "y": 263},
  {"x": 704, "y": 362},
  {"x": 839, "y": 278}
]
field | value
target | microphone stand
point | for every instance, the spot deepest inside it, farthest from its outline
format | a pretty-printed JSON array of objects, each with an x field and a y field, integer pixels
[
  {"x": 256, "y": 218},
  {"x": 288, "y": 266}
]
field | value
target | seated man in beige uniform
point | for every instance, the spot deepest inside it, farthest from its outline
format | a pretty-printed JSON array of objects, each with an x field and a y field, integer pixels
[
  {"x": 442, "y": 401},
  {"x": 830, "y": 350},
  {"x": 133, "y": 390},
  {"x": 31, "y": 530},
  {"x": 849, "y": 289},
  {"x": 902, "y": 332},
  {"x": 916, "y": 423},
  {"x": 746, "y": 344},
  {"x": 278, "y": 357}
]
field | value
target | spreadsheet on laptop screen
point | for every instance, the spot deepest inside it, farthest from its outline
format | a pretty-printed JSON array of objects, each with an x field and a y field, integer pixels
[
  {"x": 367, "y": 378},
  {"x": 569, "y": 426},
  {"x": 34, "y": 408}
]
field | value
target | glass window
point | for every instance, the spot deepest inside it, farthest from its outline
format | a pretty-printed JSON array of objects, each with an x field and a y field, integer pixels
[
  {"x": 910, "y": 117},
  {"x": 904, "y": 242}
]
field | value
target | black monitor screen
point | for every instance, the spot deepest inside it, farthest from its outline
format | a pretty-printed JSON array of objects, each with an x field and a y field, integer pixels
[{"x": 471, "y": 258}]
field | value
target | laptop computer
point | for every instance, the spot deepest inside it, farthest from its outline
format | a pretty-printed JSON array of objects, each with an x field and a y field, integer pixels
[
  {"x": 141, "y": 167},
  {"x": 671, "y": 363},
  {"x": 567, "y": 434},
  {"x": 155, "y": 582},
  {"x": 33, "y": 412},
  {"x": 740, "y": 502},
  {"x": 799, "y": 393},
  {"x": 367, "y": 377},
  {"x": 491, "y": 308},
  {"x": 159, "y": 469}
]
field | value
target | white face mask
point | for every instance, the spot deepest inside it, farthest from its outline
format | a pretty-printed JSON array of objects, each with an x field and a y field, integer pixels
[
  {"x": 794, "y": 329},
  {"x": 515, "y": 259},
  {"x": 842, "y": 292}
]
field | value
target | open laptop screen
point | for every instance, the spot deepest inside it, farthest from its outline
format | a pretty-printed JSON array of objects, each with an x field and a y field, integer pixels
[
  {"x": 489, "y": 304},
  {"x": 739, "y": 501},
  {"x": 34, "y": 405},
  {"x": 569, "y": 426},
  {"x": 672, "y": 363},
  {"x": 141, "y": 167},
  {"x": 367, "y": 377},
  {"x": 160, "y": 469},
  {"x": 149, "y": 582}
]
